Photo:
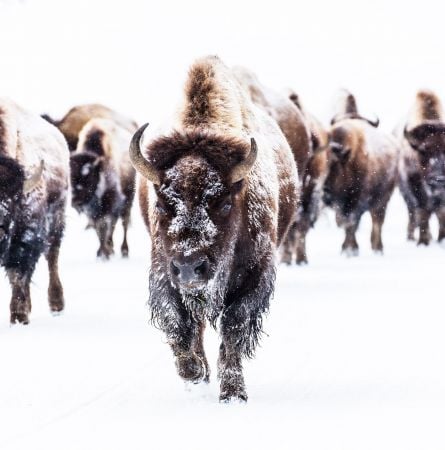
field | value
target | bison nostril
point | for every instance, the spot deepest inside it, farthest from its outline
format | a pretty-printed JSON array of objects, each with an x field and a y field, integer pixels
[
  {"x": 175, "y": 269},
  {"x": 202, "y": 268}
]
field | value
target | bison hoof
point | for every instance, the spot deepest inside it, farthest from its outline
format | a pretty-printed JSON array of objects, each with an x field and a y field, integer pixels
[
  {"x": 301, "y": 261},
  {"x": 191, "y": 368},
  {"x": 350, "y": 251},
  {"x": 56, "y": 306},
  {"x": 19, "y": 317},
  {"x": 124, "y": 252},
  {"x": 103, "y": 255},
  {"x": 423, "y": 241},
  {"x": 233, "y": 397},
  {"x": 286, "y": 259}
]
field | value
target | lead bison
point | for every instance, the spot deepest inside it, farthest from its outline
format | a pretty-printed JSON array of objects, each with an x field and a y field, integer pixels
[
  {"x": 362, "y": 169},
  {"x": 34, "y": 181},
  {"x": 218, "y": 192},
  {"x": 422, "y": 166}
]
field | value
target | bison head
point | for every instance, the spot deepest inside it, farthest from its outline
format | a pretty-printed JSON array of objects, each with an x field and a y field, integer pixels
[
  {"x": 428, "y": 140},
  {"x": 85, "y": 177},
  {"x": 198, "y": 180}
]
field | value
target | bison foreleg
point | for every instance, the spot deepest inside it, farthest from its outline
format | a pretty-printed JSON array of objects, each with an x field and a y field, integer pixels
[
  {"x": 125, "y": 223},
  {"x": 424, "y": 226},
  {"x": 184, "y": 332},
  {"x": 241, "y": 328},
  {"x": 441, "y": 218},
  {"x": 350, "y": 245},
  {"x": 104, "y": 229},
  {"x": 20, "y": 299}
]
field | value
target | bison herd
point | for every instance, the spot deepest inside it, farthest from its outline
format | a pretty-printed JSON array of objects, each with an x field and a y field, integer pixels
[{"x": 230, "y": 184}]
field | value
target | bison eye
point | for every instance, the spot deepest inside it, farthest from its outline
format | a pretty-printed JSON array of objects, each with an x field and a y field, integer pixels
[
  {"x": 160, "y": 209},
  {"x": 225, "y": 208}
]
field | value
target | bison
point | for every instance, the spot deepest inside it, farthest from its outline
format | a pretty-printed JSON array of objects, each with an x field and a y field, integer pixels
[
  {"x": 362, "y": 172},
  {"x": 301, "y": 131},
  {"x": 78, "y": 116},
  {"x": 34, "y": 182},
  {"x": 103, "y": 180},
  {"x": 422, "y": 166},
  {"x": 218, "y": 192}
]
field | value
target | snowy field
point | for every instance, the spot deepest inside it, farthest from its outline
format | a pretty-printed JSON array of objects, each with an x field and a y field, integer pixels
[
  {"x": 354, "y": 353},
  {"x": 353, "y": 357}
]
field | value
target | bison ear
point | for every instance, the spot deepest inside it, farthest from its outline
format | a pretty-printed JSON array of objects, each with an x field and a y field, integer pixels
[{"x": 242, "y": 169}]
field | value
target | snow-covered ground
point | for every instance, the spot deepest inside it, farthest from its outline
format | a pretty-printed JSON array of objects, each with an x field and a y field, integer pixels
[
  {"x": 353, "y": 357},
  {"x": 354, "y": 353}
]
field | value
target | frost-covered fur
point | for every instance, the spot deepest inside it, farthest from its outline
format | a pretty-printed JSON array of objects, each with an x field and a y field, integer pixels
[
  {"x": 198, "y": 214},
  {"x": 361, "y": 176},
  {"x": 422, "y": 166},
  {"x": 31, "y": 223},
  {"x": 103, "y": 180},
  {"x": 77, "y": 117}
]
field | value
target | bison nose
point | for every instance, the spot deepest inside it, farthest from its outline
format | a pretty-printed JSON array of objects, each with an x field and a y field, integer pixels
[{"x": 190, "y": 272}]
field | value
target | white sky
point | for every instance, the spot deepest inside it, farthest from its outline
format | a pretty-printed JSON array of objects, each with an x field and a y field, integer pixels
[{"x": 132, "y": 55}]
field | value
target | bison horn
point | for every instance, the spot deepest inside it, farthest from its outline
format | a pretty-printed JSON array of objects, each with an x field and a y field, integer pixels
[
  {"x": 243, "y": 168},
  {"x": 32, "y": 180},
  {"x": 375, "y": 123},
  {"x": 137, "y": 159}
]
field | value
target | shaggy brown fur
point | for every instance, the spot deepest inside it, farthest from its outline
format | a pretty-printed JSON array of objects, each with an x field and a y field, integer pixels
[
  {"x": 78, "y": 116},
  {"x": 361, "y": 177},
  {"x": 214, "y": 239},
  {"x": 288, "y": 116},
  {"x": 422, "y": 166}
]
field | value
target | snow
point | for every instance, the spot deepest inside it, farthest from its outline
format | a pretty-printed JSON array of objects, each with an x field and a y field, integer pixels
[{"x": 353, "y": 357}]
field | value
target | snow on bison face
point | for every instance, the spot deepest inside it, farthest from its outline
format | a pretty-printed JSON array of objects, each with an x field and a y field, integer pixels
[
  {"x": 197, "y": 215},
  {"x": 198, "y": 179}
]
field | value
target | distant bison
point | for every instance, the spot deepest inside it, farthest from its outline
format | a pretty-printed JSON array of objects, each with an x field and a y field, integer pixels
[
  {"x": 361, "y": 174},
  {"x": 77, "y": 117},
  {"x": 103, "y": 180},
  {"x": 218, "y": 193},
  {"x": 34, "y": 182},
  {"x": 422, "y": 166}
]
